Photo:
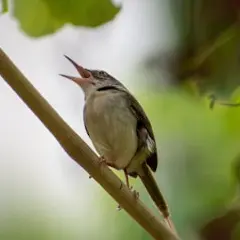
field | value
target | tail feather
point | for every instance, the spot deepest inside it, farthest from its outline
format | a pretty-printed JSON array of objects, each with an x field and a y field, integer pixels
[
  {"x": 152, "y": 161},
  {"x": 153, "y": 190}
]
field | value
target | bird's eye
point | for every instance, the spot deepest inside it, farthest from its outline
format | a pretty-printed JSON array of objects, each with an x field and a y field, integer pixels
[{"x": 102, "y": 73}]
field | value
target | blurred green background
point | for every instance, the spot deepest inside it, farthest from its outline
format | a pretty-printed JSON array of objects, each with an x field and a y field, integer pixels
[{"x": 198, "y": 146}]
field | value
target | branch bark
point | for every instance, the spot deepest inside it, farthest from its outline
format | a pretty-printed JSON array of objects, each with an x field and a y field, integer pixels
[{"x": 79, "y": 151}]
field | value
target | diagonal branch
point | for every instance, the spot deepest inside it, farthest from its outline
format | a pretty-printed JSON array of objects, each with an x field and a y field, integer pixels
[{"x": 79, "y": 151}]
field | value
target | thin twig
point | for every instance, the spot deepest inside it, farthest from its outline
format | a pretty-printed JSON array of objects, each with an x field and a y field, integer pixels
[
  {"x": 213, "y": 101},
  {"x": 229, "y": 104},
  {"x": 79, "y": 151}
]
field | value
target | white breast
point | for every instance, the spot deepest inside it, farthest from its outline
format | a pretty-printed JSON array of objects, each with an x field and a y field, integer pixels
[{"x": 112, "y": 127}]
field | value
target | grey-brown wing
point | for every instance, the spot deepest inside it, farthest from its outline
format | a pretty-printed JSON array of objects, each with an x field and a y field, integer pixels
[{"x": 143, "y": 123}]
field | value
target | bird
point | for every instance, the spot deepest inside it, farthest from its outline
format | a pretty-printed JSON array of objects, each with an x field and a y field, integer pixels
[{"x": 119, "y": 129}]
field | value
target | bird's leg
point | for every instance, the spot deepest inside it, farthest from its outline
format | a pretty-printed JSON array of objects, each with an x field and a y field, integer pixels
[
  {"x": 126, "y": 178},
  {"x": 135, "y": 193},
  {"x": 127, "y": 183}
]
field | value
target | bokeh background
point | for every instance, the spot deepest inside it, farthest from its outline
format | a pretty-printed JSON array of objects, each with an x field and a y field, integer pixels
[{"x": 172, "y": 55}]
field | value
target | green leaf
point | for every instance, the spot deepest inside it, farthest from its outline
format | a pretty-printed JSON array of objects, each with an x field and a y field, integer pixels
[
  {"x": 4, "y": 6},
  {"x": 42, "y": 17}
]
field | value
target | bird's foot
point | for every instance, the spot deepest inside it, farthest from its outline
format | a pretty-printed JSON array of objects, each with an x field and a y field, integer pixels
[
  {"x": 102, "y": 160},
  {"x": 135, "y": 195}
]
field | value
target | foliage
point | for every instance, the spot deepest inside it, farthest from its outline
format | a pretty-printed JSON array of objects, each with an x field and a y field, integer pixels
[
  {"x": 208, "y": 50},
  {"x": 4, "y": 6},
  {"x": 40, "y": 17}
]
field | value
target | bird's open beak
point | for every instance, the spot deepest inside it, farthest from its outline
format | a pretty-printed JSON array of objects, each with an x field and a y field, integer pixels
[{"x": 84, "y": 73}]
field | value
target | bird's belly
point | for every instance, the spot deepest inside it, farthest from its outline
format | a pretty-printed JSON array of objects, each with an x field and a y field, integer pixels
[{"x": 113, "y": 133}]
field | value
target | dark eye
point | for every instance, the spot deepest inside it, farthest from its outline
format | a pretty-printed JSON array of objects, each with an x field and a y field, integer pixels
[{"x": 102, "y": 74}]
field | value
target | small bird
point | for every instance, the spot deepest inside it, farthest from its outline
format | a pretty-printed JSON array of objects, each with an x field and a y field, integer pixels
[{"x": 119, "y": 129}]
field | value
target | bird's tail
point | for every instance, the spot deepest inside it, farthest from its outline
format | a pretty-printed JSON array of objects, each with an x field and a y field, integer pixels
[{"x": 153, "y": 190}]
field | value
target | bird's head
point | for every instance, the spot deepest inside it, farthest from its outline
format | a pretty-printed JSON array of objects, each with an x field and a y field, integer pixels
[{"x": 91, "y": 80}]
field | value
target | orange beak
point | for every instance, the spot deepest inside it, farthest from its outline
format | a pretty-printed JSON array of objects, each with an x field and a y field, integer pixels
[{"x": 85, "y": 74}]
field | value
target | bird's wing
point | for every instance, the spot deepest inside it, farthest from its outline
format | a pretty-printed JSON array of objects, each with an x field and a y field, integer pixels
[{"x": 143, "y": 123}]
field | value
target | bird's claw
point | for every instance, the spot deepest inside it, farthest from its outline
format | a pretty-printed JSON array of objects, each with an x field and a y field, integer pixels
[
  {"x": 119, "y": 208},
  {"x": 135, "y": 195},
  {"x": 102, "y": 160}
]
